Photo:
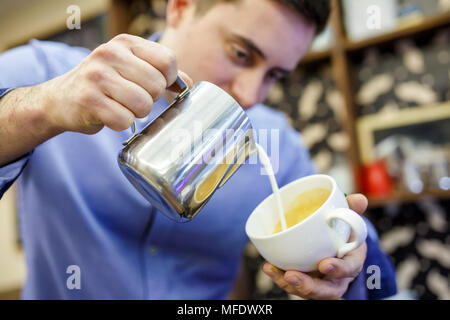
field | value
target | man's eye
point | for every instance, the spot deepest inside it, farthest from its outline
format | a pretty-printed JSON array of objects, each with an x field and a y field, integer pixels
[
  {"x": 240, "y": 55},
  {"x": 275, "y": 76}
]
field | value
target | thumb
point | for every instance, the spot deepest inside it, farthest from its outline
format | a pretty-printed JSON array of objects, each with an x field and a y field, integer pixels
[
  {"x": 176, "y": 86},
  {"x": 186, "y": 78},
  {"x": 357, "y": 202}
]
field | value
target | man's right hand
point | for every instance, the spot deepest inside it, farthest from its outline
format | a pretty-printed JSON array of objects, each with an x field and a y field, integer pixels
[{"x": 117, "y": 82}]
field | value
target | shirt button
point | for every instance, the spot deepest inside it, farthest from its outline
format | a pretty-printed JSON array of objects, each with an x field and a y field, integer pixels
[{"x": 153, "y": 250}]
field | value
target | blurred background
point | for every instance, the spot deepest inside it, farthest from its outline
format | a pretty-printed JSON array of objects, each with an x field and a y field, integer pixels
[{"x": 371, "y": 99}]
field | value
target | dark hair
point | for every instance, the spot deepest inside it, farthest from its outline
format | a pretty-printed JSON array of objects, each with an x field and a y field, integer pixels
[{"x": 315, "y": 11}]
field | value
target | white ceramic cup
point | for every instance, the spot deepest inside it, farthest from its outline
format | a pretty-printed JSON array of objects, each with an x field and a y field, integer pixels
[{"x": 323, "y": 234}]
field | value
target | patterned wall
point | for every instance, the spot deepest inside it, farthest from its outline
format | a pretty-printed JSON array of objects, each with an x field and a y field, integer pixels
[
  {"x": 408, "y": 74},
  {"x": 411, "y": 73},
  {"x": 316, "y": 109},
  {"x": 416, "y": 236}
]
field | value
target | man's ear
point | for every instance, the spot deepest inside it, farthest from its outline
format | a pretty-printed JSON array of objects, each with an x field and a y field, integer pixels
[{"x": 176, "y": 10}]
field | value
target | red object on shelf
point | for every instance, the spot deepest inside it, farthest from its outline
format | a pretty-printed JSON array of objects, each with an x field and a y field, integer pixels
[{"x": 376, "y": 180}]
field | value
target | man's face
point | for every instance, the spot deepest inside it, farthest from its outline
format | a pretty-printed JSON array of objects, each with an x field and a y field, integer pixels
[{"x": 244, "y": 47}]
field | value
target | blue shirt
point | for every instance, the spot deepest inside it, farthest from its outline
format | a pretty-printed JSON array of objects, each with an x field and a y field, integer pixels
[{"x": 77, "y": 208}]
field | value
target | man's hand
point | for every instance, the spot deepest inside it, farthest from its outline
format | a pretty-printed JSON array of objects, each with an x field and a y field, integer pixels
[
  {"x": 334, "y": 275},
  {"x": 117, "y": 82}
]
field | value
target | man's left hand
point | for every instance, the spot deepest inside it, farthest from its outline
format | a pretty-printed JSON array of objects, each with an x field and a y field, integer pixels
[{"x": 334, "y": 275}]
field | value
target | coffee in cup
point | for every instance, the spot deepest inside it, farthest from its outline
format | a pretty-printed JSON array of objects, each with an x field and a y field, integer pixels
[{"x": 303, "y": 206}]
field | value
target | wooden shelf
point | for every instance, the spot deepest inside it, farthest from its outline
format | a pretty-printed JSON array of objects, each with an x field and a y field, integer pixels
[
  {"x": 41, "y": 19},
  {"x": 349, "y": 46},
  {"x": 406, "y": 197},
  {"x": 421, "y": 26},
  {"x": 318, "y": 55}
]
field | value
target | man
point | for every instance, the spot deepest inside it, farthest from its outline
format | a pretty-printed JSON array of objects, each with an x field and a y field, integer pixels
[{"x": 60, "y": 111}]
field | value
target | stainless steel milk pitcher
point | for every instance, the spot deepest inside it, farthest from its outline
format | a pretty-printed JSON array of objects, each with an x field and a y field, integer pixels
[{"x": 183, "y": 156}]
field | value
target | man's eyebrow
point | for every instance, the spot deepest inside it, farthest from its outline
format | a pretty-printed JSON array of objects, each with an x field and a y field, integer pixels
[{"x": 252, "y": 46}]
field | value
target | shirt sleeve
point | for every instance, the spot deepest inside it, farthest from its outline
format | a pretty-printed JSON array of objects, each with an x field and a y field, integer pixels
[
  {"x": 380, "y": 278},
  {"x": 30, "y": 64},
  {"x": 377, "y": 279},
  {"x": 19, "y": 67},
  {"x": 10, "y": 172}
]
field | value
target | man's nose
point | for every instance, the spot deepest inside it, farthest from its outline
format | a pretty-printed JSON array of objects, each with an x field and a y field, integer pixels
[{"x": 245, "y": 89}]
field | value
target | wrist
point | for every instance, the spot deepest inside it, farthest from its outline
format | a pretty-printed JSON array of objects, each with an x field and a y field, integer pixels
[
  {"x": 44, "y": 111},
  {"x": 33, "y": 107}
]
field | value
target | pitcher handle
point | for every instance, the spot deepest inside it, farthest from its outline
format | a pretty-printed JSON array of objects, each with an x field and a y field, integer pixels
[{"x": 179, "y": 86}]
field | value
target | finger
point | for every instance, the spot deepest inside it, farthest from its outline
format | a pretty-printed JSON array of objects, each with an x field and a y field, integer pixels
[
  {"x": 129, "y": 66},
  {"x": 357, "y": 202},
  {"x": 347, "y": 267},
  {"x": 315, "y": 288},
  {"x": 186, "y": 78},
  {"x": 157, "y": 55},
  {"x": 114, "y": 115},
  {"x": 143, "y": 74},
  {"x": 128, "y": 94},
  {"x": 179, "y": 87},
  {"x": 305, "y": 286},
  {"x": 277, "y": 276}
]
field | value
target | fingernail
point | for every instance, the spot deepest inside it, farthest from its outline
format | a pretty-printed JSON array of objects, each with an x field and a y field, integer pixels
[
  {"x": 294, "y": 281},
  {"x": 329, "y": 269},
  {"x": 274, "y": 269}
]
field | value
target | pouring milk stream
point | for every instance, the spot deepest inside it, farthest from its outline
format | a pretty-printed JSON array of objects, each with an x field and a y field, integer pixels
[{"x": 265, "y": 161}]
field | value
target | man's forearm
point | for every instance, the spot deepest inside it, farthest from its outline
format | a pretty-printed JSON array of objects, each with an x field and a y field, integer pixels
[{"x": 24, "y": 123}]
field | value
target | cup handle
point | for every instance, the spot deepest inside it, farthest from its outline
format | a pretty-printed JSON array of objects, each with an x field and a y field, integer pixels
[
  {"x": 357, "y": 225},
  {"x": 179, "y": 86}
]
